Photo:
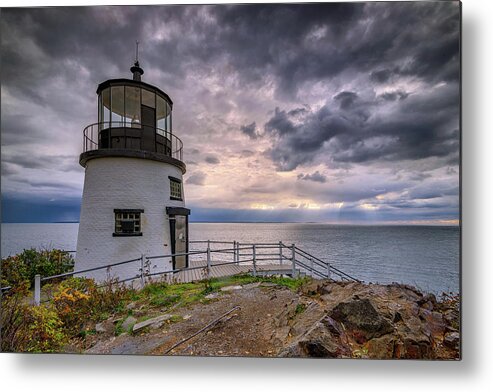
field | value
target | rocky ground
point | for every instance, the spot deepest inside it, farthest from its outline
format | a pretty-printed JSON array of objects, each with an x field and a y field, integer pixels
[{"x": 321, "y": 319}]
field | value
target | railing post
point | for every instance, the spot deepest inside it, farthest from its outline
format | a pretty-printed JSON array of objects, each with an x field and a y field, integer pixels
[
  {"x": 237, "y": 253},
  {"x": 37, "y": 290},
  {"x": 280, "y": 252},
  {"x": 208, "y": 259},
  {"x": 293, "y": 261},
  {"x": 142, "y": 270},
  {"x": 234, "y": 251},
  {"x": 254, "y": 260}
]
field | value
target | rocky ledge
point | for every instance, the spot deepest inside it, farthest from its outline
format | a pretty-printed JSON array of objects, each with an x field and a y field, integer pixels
[
  {"x": 319, "y": 319},
  {"x": 368, "y": 321}
]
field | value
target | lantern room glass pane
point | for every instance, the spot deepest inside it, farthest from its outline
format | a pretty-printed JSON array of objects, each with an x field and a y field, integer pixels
[
  {"x": 100, "y": 109},
  {"x": 106, "y": 118},
  {"x": 160, "y": 113},
  {"x": 132, "y": 107},
  {"x": 148, "y": 98},
  {"x": 117, "y": 106},
  {"x": 168, "y": 122}
]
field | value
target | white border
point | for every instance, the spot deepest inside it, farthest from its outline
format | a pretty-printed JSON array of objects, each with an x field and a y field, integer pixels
[{"x": 121, "y": 373}]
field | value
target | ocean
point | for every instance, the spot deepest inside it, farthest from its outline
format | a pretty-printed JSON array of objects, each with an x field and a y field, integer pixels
[{"x": 424, "y": 256}]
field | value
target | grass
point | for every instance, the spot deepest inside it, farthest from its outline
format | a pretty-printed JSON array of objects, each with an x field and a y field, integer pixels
[
  {"x": 163, "y": 295},
  {"x": 166, "y": 296}
]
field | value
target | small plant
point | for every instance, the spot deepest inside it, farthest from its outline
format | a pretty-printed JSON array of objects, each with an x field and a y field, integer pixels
[
  {"x": 119, "y": 328},
  {"x": 79, "y": 300},
  {"x": 208, "y": 288},
  {"x": 72, "y": 304},
  {"x": 300, "y": 308}
]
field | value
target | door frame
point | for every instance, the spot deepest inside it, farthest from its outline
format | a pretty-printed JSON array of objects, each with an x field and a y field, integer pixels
[{"x": 172, "y": 212}]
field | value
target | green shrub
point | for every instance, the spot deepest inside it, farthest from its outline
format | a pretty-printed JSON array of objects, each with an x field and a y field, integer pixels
[
  {"x": 44, "y": 328},
  {"x": 78, "y": 300},
  {"x": 27, "y": 328},
  {"x": 24, "y": 266}
]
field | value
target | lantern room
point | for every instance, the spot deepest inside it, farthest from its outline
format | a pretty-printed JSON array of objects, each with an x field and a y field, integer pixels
[{"x": 133, "y": 115}]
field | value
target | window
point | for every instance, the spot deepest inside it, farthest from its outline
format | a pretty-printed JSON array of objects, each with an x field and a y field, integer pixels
[
  {"x": 117, "y": 106},
  {"x": 127, "y": 223},
  {"x": 175, "y": 188},
  {"x": 106, "y": 106},
  {"x": 148, "y": 98},
  {"x": 132, "y": 107}
]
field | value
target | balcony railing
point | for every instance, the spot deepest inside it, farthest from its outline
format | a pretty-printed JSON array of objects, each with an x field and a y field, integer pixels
[{"x": 118, "y": 135}]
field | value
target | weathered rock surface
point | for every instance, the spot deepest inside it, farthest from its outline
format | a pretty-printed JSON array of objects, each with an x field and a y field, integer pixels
[
  {"x": 128, "y": 323},
  {"x": 153, "y": 322},
  {"x": 231, "y": 288},
  {"x": 452, "y": 340},
  {"x": 361, "y": 317},
  {"x": 368, "y": 321}
]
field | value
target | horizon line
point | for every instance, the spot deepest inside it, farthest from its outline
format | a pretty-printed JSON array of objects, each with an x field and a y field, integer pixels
[{"x": 393, "y": 223}]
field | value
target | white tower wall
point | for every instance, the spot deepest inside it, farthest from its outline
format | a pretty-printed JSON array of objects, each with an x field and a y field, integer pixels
[{"x": 125, "y": 183}]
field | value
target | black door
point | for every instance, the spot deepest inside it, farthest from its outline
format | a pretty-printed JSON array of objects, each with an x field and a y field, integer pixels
[
  {"x": 148, "y": 128},
  {"x": 179, "y": 240},
  {"x": 178, "y": 222}
]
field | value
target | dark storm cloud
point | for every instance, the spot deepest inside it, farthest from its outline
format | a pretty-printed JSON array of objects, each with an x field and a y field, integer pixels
[
  {"x": 381, "y": 76},
  {"x": 198, "y": 178},
  {"x": 317, "y": 177},
  {"x": 294, "y": 43},
  {"x": 64, "y": 163},
  {"x": 322, "y": 41},
  {"x": 394, "y": 95},
  {"x": 212, "y": 159},
  {"x": 420, "y": 127},
  {"x": 247, "y": 153},
  {"x": 250, "y": 130},
  {"x": 346, "y": 99}
]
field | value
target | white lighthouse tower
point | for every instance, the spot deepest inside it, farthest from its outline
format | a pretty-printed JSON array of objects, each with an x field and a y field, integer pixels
[{"x": 133, "y": 202}]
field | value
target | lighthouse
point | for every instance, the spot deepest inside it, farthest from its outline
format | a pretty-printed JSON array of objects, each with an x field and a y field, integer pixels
[{"x": 133, "y": 202}]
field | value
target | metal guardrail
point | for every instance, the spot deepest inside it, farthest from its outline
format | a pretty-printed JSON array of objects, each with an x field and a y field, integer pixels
[
  {"x": 92, "y": 138},
  {"x": 300, "y": 261}
]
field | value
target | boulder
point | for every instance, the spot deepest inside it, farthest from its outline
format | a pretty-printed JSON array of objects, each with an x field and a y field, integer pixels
[
  {"x": 433, "y": 322},
  {"x": 100, "y": 328},
  {"x": 428, "y": 301},
  {"x": 360, "y": 317},
  {"x": 318, "y": 342},
  {"x": 231, "y": 288},
  {"x": 452, "y": 340},
  {"x": 151, "y": 322},
  {"x": 451, "y": 317},
  {"x": 315, "y": 287},
  {"x": 382, "y": 347},
  {"x": 251, "y": 285},
  {"x": 412, "y": 348},
  {"x": 128, "y": 323}
]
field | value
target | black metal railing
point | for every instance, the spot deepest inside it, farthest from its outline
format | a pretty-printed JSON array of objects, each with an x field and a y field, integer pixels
[
  {"x": 292, "y": 261},
  {"x": 119, "y": 135}
]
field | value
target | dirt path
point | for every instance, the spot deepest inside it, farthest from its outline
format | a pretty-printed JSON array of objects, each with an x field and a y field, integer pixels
[{"x": 245, "y": 332}]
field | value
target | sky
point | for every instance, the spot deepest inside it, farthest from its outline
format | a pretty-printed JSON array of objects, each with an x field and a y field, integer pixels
[{"x": 336, "y": 112}]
